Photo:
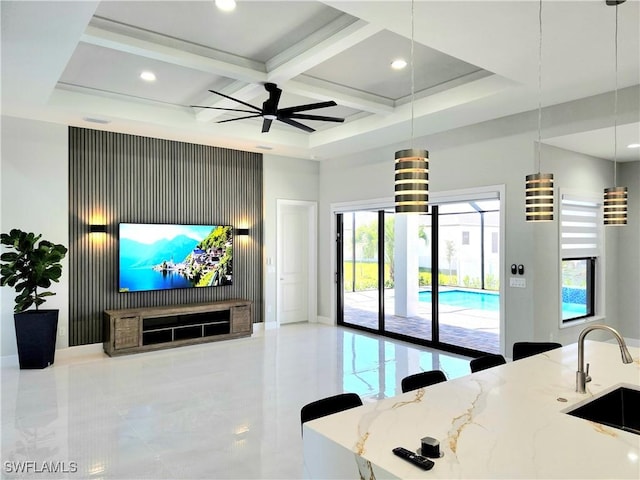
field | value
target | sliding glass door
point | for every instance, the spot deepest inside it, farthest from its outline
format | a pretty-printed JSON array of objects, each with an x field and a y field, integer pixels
[
  {"x": 386, "y": 280},
  {"x": 468, "y": 283},
  {"x": 359, "y": 269}
]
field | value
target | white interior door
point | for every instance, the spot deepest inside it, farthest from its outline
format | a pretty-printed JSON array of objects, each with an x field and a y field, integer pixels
[{"x": 296, "y": 261}]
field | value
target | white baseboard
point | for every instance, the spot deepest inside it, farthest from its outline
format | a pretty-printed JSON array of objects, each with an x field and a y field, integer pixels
[
  {"x": 91, "y": 351},
  {"x": 325, "y": 320}
]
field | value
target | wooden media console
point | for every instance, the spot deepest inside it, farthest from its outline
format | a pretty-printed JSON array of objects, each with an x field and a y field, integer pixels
[{"x": 135, "y": 330}]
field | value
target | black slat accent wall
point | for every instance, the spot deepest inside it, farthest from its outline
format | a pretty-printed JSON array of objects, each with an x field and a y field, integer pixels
[{"x": 116, "y": 178}]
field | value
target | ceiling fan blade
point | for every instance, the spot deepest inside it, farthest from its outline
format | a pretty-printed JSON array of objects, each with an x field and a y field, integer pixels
[
  {"x": 266, "y": 125},
  {"x": 236, "y": 100},
  {"x": 293, "y": 123},
  {"x": 310, "y": 106},
  {"x": 239, "y": 118},
  {"x": 220, "y": 108},
  {"x": 304, "y": 116}
]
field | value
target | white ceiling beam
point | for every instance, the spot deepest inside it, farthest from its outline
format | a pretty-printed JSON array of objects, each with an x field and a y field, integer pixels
[
  {"x": 336, "y": 37},
  {"x": 332, "y": 39},
  {"x": 155, "y": 46},
  {"x": 422, "y": 108},
  {"x": 344, "y": 96},
  {"x": 38, "y": 38}
]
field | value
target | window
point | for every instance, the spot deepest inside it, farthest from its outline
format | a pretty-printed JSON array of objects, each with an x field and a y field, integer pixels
[
  {"x": 577, "y": 288},
  {"x": 465, "y": 238},
  {"x": 580, "y": 242},
  {"x": 494, "y": 242}
]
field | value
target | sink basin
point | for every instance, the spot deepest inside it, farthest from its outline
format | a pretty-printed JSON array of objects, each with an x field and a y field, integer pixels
[{"x": 619, "y": 408}]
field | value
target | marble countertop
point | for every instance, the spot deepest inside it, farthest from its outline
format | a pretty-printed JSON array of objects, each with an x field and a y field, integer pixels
[{"x": 505, "y": 422}]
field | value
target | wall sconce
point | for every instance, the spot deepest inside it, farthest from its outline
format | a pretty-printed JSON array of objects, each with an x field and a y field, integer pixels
[
  {"x": 242, "y": 231},
  {"x": 97, "y": 228}
]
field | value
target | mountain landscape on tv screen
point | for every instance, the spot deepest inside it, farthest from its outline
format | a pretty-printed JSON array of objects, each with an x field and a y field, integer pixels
[
  {"x": 181, "y": 262},
  {"x": 135, "y": 254}
]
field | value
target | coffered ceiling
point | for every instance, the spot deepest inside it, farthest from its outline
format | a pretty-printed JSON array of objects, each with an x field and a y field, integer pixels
[{"x": 79, "y": 63}]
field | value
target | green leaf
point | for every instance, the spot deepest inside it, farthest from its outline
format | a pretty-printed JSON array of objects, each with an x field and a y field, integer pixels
[{"x": 30, "y": 264}]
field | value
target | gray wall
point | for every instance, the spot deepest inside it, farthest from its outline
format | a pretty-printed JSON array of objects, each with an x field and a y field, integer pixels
[
  {"x": 629, "y": 248},
  {"x": 117, "y": 178},
  {"x": 502, "y": 152},
  {"x": 34, "y": 160}
]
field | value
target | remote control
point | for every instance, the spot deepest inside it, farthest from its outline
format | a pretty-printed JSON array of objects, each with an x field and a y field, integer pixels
[{"x": 418, "y": 460}]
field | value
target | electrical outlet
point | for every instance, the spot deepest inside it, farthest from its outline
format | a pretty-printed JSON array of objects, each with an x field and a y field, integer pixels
[{"x": 62, "y": 331}]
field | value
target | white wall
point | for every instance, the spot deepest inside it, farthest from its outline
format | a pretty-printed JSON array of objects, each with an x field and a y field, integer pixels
[
  {"x": 502, "y": 152},
  {"x": 584, "y": 174},
  {"x": 34, "y": 177},
  {"x": 453, "y": 165},
  {"x": 629, "y": 259},
  {"x": 34, "y": 166},
  {"x": 286, "y": 179}
]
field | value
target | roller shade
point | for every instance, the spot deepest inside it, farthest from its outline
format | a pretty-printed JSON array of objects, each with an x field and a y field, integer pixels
[{"x": 579, "y": 227}]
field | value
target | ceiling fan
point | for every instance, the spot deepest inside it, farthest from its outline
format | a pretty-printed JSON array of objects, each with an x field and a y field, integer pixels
[{"x": 271, "y": 112}]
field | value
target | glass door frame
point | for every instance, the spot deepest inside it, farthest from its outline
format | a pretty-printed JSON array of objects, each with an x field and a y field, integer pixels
[{"x": 498, "y": 191}]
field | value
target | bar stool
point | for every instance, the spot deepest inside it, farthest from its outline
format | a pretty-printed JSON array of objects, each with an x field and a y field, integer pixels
[
  {"x": 422, "y": 379},
  {"x": 329, "y": 405},
  {"x": 486, "y": 361}
]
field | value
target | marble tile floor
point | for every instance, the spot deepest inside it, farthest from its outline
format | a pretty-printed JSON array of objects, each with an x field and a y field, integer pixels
[{"x": 222, "y": 410}]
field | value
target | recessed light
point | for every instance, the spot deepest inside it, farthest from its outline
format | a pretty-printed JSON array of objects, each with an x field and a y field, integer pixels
[
  {"x": 148, "y": 76},
  {"x": 226, "y": 5},
  {"x": 399, "y": 64},
  {"x": 633, "y": 145},
  {"x": 264, "y": 147}
]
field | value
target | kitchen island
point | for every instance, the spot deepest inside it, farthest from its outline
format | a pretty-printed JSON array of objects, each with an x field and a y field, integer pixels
[{"x": 505, "y": 422}]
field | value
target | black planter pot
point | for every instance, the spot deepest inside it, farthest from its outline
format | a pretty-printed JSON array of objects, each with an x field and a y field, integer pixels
[{"x": 36, "y": 337}]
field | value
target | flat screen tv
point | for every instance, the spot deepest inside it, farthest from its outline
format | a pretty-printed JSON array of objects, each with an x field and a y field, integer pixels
[{"x": 167, "y": 256}]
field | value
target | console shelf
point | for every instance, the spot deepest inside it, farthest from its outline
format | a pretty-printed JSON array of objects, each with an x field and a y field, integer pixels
[{"x": 135, "y": 330}]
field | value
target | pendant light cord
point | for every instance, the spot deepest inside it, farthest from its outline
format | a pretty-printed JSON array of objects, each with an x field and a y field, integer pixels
[
  {"x": 615, "y": 109},
  {"x": 539, "y": 80},
  {"x": 412, "y": 69}
]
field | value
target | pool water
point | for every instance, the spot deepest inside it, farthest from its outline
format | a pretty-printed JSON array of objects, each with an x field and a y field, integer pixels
[
  {"x": 465, "y": 299},
  {"x": 490, "y": 301}
]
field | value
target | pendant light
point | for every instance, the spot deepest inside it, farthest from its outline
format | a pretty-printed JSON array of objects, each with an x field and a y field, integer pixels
[
  {"x": 615, "y": 198},
  {"x": 539, "y": 186},
  {"x": 412, "y": 165}
]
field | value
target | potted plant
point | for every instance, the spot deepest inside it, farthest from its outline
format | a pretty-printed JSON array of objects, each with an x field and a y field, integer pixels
[{"x": 30, "y": 266}]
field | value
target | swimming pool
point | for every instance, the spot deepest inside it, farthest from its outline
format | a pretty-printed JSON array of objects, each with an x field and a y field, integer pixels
[
  {"x": 465, "y": 299},
  {"x": 490, "y": 301}
]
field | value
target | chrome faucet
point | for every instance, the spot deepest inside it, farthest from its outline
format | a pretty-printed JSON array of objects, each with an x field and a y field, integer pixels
[{"x": 582, "y": 376}]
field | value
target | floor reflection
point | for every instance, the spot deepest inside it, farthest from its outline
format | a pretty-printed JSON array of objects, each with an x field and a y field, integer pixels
[
  {"x": 374, "y": 366},
  {"x": 221, "y": 410}
]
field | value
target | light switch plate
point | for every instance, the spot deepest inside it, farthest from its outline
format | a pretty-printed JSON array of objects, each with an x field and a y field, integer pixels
[{"x": 517, "y": 282}]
